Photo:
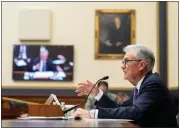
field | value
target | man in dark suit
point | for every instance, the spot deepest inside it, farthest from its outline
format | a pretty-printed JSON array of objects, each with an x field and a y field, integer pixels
[
  {"x": 43, "y": 63},
  {"x": 150, "y": 103},
  {"x": 118, "y": 37}
]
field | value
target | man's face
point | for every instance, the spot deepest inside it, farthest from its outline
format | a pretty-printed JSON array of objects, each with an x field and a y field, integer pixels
[
  {"x": 44, "y": 56},
  {"x": 131, "y": 68},
  {"x": 117, "y": 21},
  {"x": 103, "y": 88}
]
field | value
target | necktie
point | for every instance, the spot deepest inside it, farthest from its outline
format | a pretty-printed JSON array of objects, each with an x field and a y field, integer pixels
[
  {"x": 44, "y": 67},
  {"x": 135, "y": 94}
]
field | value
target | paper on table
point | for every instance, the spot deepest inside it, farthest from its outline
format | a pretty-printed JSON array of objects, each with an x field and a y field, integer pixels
[{"x": 45, "y": 118}]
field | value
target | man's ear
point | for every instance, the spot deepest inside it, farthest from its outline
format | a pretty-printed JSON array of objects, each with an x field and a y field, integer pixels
[{"x": 142, "y": 65}]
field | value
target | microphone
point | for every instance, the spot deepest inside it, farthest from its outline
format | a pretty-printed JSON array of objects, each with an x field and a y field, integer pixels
[{"x": 65, "y": 111}]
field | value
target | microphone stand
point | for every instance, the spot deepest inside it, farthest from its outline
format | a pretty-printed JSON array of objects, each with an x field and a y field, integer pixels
[{"x": 65, "y": 111}]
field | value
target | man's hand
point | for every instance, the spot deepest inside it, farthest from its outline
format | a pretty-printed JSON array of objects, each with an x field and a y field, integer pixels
[
  {"x": 118, "y": 44},
  {"x": 84, "y": 89},
  {"x": 108, "y": 43},
  {"x": 81, "y": 113},
  {"x": 28, "y": 60},
  {"x": 37, "y": 66},
  {"x": 59, "y": 69}
]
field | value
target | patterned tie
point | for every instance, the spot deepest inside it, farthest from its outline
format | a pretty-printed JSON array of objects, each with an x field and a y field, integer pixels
[{"x": 135, "y": 91}]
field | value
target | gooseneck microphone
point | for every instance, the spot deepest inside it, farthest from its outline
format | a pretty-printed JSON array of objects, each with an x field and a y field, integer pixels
[{"x": 65, "y": 111}]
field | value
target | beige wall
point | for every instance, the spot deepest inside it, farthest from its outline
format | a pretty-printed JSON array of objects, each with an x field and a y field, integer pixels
[
  {"x": 173, "y": 44},
  {"x": 73, "y": 23}
]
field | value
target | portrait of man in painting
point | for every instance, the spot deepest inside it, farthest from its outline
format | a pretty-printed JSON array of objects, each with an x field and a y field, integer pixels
[{"x": 114, "y": 32}]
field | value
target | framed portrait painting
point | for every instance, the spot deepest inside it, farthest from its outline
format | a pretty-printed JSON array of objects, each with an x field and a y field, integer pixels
[{"x": 114, "y": 29}]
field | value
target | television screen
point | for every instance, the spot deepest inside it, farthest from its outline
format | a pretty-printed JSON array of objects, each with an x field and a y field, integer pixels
[{"x": 43, "y": 62}]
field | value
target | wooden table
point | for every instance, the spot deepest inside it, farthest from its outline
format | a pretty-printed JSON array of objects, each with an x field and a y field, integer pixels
[{"x": 68, "y": 123}]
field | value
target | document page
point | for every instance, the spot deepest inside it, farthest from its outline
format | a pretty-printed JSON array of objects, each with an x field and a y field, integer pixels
[{"x": 45, "y": 118}]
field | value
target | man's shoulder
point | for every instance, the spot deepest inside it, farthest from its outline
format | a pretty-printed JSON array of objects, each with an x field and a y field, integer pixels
[
  {"x": 91, "y": 98},
  {"x": 35, "y": 60},
  {"x": 153, "y": 78},
  {"x": 111, "y": 95}
]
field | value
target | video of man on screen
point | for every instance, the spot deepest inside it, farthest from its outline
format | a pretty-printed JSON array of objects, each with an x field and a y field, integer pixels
[{"x": 43, "y": 62}]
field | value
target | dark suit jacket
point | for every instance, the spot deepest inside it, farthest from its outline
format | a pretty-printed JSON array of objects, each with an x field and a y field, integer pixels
[
  {"x": 117, "y": 35},
  {"x": 49, "y": 65},
  {"x": 153, "y": 106}
]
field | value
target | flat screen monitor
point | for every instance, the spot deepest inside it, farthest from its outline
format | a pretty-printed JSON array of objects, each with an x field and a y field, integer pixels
[{"x": 43, "y": 62}]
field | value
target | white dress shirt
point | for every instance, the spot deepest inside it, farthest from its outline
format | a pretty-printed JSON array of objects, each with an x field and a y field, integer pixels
[
  {"x": 41, "y": 65},
  {"x": 22, "y": 52},
  {"x": 94, "y": 112}
]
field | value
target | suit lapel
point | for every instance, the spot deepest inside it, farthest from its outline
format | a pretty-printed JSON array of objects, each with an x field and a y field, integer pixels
[{"x": 146, "y": 76}]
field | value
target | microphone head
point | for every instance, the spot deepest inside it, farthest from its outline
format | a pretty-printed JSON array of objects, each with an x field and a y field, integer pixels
[{"x": 105, "y": 78}]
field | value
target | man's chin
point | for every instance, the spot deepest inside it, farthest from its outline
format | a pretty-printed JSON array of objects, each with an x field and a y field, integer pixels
[{"x": 125, "y": 77}]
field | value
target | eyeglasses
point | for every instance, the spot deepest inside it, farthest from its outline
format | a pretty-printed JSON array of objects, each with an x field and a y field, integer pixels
[{"x": 125, "y": 61}]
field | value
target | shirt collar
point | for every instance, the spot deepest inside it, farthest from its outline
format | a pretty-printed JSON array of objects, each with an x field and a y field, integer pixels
[
  {"x": 43, "y": 61},
  {"x": 139, "y": 83}
]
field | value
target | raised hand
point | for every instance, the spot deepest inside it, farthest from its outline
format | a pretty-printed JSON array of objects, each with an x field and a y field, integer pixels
[
  {"x": 37, "y": 66},
  {"x": 84, "y": 89}
]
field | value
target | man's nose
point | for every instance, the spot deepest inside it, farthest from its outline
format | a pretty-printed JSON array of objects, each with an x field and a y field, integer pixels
[{"x": 123, "y": 66}]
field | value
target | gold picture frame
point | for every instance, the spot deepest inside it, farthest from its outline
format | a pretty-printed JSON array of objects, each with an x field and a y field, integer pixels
[{"x": 114, "y": 29}]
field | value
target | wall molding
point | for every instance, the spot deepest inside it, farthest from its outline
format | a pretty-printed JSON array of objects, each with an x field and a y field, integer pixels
[
  {"x": 72, "y": 87},
  {"x": 66, "y": 87}
]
